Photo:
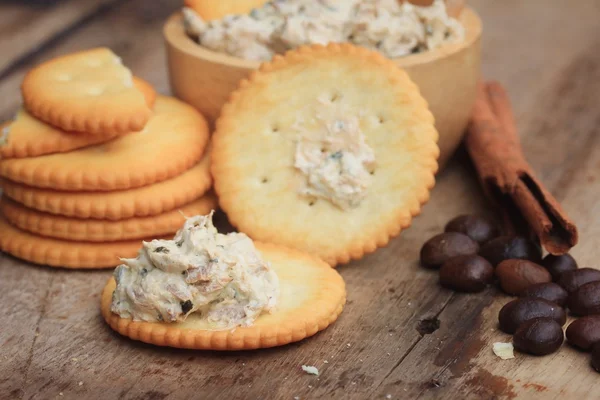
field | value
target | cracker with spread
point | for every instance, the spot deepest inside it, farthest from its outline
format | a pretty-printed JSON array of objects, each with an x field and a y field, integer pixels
[
  {"x": 331, "y": 150},
  {"x": 207, "y": 290}
]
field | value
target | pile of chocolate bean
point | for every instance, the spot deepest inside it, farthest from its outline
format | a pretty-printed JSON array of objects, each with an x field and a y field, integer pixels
[{"x": 472, "y": 254}]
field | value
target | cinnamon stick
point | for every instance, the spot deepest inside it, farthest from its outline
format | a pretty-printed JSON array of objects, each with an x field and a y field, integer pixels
[{"x": 526, "y": 206}]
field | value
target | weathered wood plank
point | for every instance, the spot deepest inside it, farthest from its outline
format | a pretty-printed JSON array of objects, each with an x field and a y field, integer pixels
[
  {"x": 559, "y": 131},
  {"x": 552, "y": 83},
  {"x": 24, "y": 29}
]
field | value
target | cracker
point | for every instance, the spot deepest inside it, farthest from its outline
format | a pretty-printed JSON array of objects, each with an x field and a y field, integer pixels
[
  {"x": 113, "y": 206},
  {"x": 62, "y": 253},
  {"x": 147, "y": 90},
  {"x": 254, "y": 148},
  {"x": 173, "y": 141},
  {"x": 29, "y": 137},
  {"x": 89, "y": 91},
  {"x": 210, "y": 9},
  {"x": 312, "y": 297},
  {"x": 66, "y": 228}
]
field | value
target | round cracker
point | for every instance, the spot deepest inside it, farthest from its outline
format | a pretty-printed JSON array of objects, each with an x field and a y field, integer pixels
[
  {"x": 253, "y": 151},
  {"x": 30, "y": 137},
  {"x": 173, "y": 140},
  {"x": 94, "y": 230},
  {"x": 123, "y": 204},
  {"x": 211, "y": 10},
  {"x": 62, "y": 253},
  {"x": 147, "y": 90},
  {"x": 89, "y": 91},
  {"x": 312, "y": 297}
]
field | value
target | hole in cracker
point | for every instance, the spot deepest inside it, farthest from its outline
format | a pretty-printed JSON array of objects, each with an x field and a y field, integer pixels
[
  {"x": 381, "y": 119},
  {"x": 63, "y": 77},
  {"x": 264, "y": 180},
  {"x": 312, "y": 203},
  {"x": 95, "y": 91},
  {"x": 94, "y": 63},
  {"x": 275, "y": 129},
  {"x": 335, "y": 97},
  {"x": 372, "y": 172}
]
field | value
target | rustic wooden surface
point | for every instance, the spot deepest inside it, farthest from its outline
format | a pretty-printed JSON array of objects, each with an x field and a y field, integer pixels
[{"x": 54, "y": 343}]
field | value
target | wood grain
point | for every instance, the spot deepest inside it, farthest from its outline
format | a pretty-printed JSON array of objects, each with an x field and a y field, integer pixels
[
  {"x": 25, "y": 30},
  {"x": 54, "y": 340}
]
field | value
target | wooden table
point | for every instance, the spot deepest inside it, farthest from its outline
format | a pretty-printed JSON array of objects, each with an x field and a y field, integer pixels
[{"x": 401, "y": 336}]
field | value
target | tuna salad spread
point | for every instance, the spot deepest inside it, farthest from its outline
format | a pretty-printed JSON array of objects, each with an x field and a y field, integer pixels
[
  {"x": 392, "y": 27},
  {"x": 222, "y": 279},
  {"x": 333, "y": 156}
]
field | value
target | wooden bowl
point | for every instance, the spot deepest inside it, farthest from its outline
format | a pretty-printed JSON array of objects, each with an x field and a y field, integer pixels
[{"x": 447, "y": 77}]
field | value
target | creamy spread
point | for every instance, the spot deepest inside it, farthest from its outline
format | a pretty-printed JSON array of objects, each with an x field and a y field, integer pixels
[
  {"x": 222, "y": 279},
  {"x": 333, "y": 156},
  {"x": 394, "y": 28}
]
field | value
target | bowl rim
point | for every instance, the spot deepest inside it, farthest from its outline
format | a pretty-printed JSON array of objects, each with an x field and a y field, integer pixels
[{"x": 175, "y": 35}]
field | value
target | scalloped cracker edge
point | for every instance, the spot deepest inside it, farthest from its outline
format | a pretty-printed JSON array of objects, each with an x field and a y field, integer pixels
[
  {"x": 252, "y": 160},
  {"x": 89, "y": 91},
  {"x": 89, "y": 230},
  {"x": 30, "y": 137},
  {"x": 65, "y": 254},
  {"x": 145, "y": 201},
  {"x": 312, "y": 297},
  {"x": 172, "y": 142}
]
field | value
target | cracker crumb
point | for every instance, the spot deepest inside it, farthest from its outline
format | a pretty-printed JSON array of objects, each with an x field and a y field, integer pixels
[
  {"x": 326, "y": 362},
  {"x": 360, "y": 360},
  {"x": 309, "y": 369},
  {"x": 80, "y": 383},
  {"x": 354, "y": 383},
  {"x": 60, "y": 394},
  {"x": 310, "y": 386},
  {"x": 503, "y": 350},
  {"x": 296, "y": 397},
  {"x": 74, "y": 359},
  {"x": 348, "y": 345},
  {"x": 388, "y": 396}
]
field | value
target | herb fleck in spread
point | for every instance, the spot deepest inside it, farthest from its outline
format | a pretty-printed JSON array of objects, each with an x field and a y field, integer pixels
[
  {"x": 333, "y": 156},
  {"x": 394, "y": 28},
  {"x": 220, "y": 278}
]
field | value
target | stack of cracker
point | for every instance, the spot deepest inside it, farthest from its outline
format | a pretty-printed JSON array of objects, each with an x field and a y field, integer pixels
[{"x": 95, "y": 162}]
